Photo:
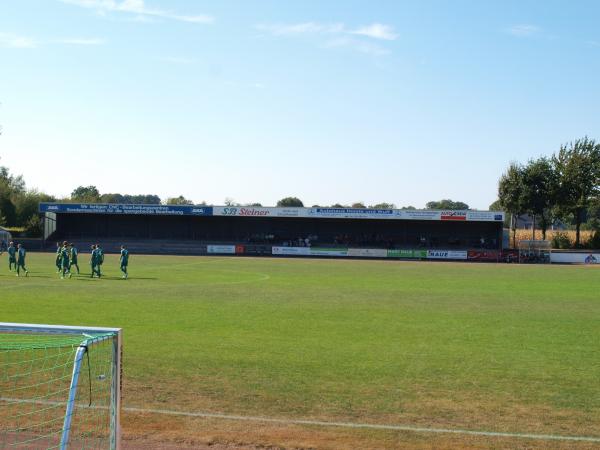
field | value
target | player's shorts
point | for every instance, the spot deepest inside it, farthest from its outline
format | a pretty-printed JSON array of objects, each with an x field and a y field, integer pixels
[{"x": 12, "y": 260}]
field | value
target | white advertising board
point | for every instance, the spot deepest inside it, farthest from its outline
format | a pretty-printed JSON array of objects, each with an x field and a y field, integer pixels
[
  {"x": 446, "y": 254},
  {"x": 368, "y": 252},
  {"x": 305, "y": 251},
  {"x": 223, "y": 249},
  {"x": 575, "y": 257}
]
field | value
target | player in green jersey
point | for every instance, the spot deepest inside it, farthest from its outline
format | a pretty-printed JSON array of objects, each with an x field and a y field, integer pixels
[
  {"x": 58, "y": 261},
  {"x": 124, "y": 260},
  {"x": 94, "y": 262},
  {"x": 65, "y": 264},
  {"x": 12, "y": 256},
  {"x": 21, "y": 253},
  {"x": 73, "y": 253},
  {"x": 100, "y": 253}
]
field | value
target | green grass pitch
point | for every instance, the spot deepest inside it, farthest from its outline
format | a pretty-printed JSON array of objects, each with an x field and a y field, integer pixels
[{"x": 470, "y": 346}]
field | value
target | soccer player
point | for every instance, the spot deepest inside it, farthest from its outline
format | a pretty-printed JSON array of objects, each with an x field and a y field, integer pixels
[
  {"x": 65, "y": 265},
  {"x": 73, "y": 256},
  {"x": 12, "y": 256},
  {"x": 124, "y": 260},
  {"x": 21, "y": 260},
  {"x": 100, "y": 253},
  {"x": 58, "y": 261},
  {"x": 94, "y": 262}
]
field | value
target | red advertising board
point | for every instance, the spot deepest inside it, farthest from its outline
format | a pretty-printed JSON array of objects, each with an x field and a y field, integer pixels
[{"x": 454, "y": 215}]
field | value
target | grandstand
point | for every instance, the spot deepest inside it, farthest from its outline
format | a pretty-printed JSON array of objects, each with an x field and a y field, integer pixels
[{"x": 279, "y": 231}]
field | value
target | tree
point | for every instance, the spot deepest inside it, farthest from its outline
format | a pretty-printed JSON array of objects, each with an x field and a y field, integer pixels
[
  {"x": 410, "y": 207},
  {"x": 577, "y": 167},
  {"x": 510, "y": 193},
  {"x": 339, "y": 205},
  {"x": 540, "y": 186},
  {"x": 497, "y": 206},
  {"x": 290, "y": 202},
  {"x": 255, "y": 205},
  {"x": 447, "y": 204},
  {"x": 383, "y": 205},
  {"x": 27, "y": 205},
  {"x": 181, "y": 200},
  {"x": 86, "y": 194},
  {"x": 358, "y": 205},
  {"x": 231, "y": 202}
]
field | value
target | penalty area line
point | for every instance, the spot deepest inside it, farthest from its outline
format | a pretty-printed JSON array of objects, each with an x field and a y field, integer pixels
[
  {"x": 322, "y": 423},
  {"x": 371, "y": 426}
]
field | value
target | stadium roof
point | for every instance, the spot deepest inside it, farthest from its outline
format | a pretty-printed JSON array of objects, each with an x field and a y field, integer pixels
[{"x": 274, "y": 212}]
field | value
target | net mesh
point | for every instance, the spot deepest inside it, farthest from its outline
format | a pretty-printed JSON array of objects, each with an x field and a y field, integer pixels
[{"x": 36, "y": 371}]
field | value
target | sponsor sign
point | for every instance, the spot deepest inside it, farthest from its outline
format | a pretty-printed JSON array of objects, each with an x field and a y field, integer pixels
[
  {"x": 368, "y": 252},
  {"x": 352, "y": 213},
  {"x": 483, "y": 255},
  {"x": 415, "y": 214},
  {"x": 240, "y": 249},
  {"x": 575, "y": 257},
  {"x": 104, "y": 208},
  {"x": 446, "y": 254},
  {"x": 305, "y": 251},
  {"x": 485, "y": 216},
  {"x": 222, "y": 249},
  {"x": 260, "y": 211},
  {"x": 453, "y": 215},
  {"x": 319, "y": 251},
  {"x": 407, "y": 253}
]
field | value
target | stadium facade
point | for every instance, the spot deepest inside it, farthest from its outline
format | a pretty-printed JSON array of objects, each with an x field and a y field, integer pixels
[{"x": 317, "y": 231}]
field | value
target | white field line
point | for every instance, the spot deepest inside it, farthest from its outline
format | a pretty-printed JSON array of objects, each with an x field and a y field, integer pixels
[{"x": 372, "y": 426}]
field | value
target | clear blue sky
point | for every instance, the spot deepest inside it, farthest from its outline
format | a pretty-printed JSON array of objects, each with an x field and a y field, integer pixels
[{"x": 330, "y": 101}]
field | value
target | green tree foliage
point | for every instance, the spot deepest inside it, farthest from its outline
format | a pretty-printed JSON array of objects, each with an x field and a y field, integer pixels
[
  {"x": 383, "y": 205},
  {"x": 290, "y": 202},
  {"x": 447, "y": 204},
  {"x": 86, "y": 194},
  {"x": 577, "y": 167},
  {"x": 181, "y": 200},
  {"x": 510, "y": 192},
  {"x": 358, "y": 205},
  {"x": 147, "y": 199},
  {"x": 539, "y": 191}
]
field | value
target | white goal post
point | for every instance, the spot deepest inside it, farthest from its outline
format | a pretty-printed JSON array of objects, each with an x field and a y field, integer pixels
[{"x": 60, "y": 387}]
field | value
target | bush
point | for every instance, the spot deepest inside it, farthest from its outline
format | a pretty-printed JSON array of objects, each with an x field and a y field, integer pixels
[
  {"x": 594, "y": 242},
  {"x": 34, "y": 226},
  {"x": 561, "y": 240}
]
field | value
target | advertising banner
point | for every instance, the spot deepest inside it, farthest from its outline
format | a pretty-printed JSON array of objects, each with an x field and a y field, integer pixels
[
  {"x": 415, "y": 214},
  {"x": 320, "y": 251},
  {"x": 222, "y": 249},
  {"x": 110, "y": 208},
  {"x": 483, "y": 255},
  {"x": 575, "y": 257},
  {"x": 368, "y": 252},
  {"x": 485, "y": 216},
  {"x": 453, "y": 215},
  {"x": 446, "y": 254},
  {"x": 304, "y": 251},
  {"x": 407, "y": 253},
  {"x": 352, "y": 213},
  {"x": 259, "y": 211}
]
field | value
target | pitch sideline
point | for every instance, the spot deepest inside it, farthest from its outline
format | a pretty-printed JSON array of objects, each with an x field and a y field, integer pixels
[{"x": 409, "y": 428}]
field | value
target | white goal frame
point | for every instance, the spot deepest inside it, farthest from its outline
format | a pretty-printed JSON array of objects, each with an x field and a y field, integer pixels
[{"x": 115, "y": 401}]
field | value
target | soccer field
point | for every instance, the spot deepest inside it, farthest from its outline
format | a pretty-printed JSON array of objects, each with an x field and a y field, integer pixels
[{"x": 455, "y": 346}]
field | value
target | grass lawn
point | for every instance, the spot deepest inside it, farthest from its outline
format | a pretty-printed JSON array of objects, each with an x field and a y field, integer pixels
[{"x": 450, "y": 345}]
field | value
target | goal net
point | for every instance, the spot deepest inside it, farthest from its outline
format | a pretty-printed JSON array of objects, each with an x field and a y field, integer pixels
[{"x": 60, "y": 387}]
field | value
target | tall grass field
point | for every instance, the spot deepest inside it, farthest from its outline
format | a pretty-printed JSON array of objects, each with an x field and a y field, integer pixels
[{"x": 454, "y": 346}]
